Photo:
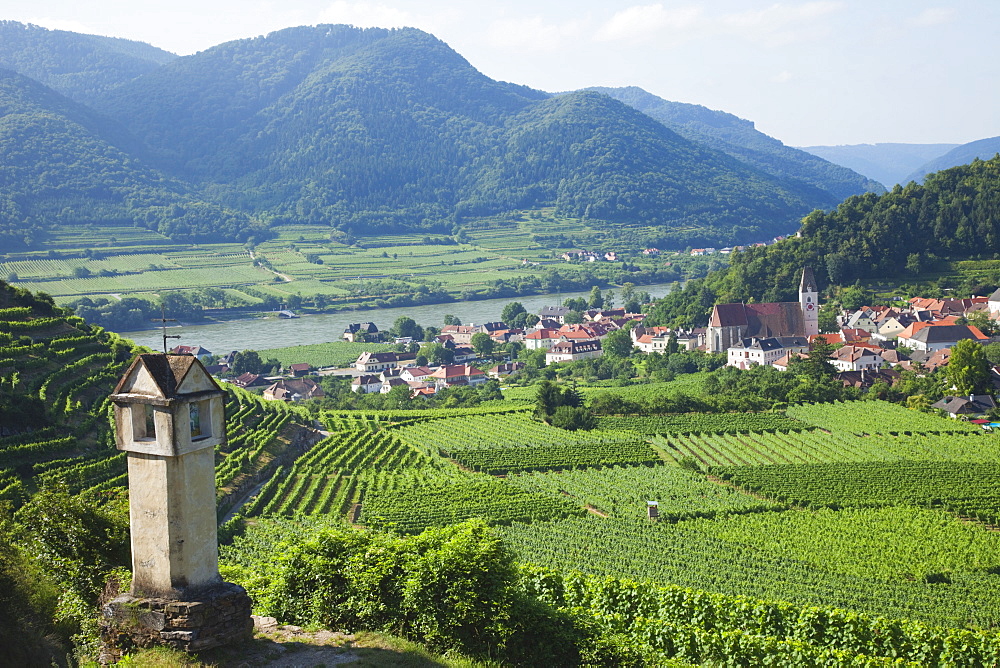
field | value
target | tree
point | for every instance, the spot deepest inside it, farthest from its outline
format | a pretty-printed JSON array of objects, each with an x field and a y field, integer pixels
[
  {"x": 618, "y": 343},
  {"x": 247, "y": 361},
  {"x": 854, "y": 297},
  {"x": 511, "y": 311},
  {"x": 968, "y": 370},
  {"x": 595, "y": 300},
  {"x": 449, "y": 319},
  {"x": 828, "y": 318},
  {"x": 817, "y": 364},
  {"x": 573, "y": 418},
  {"x": 628, "y": 292},
  {"x": 573, "y": 318},
  {"x": 482, "y": 344},
  {"x": 436, "y": 354},
  {"x": 406, "y": 326}
]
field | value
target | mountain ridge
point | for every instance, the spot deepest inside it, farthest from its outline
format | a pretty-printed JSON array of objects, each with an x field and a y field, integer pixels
[
  {"x": 385, "y": 131},
  {"x": 821, "y": 179},
  {"x": 889, "y": 163}
]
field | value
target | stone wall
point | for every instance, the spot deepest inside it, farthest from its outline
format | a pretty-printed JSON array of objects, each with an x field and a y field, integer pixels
[{"x": 210, "y": 618}]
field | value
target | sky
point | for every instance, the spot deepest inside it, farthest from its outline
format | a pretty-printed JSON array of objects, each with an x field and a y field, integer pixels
[{"x": 821, "y": 72}]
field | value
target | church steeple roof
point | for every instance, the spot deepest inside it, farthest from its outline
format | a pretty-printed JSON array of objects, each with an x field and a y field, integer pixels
[{"x": 808, "y": 283}]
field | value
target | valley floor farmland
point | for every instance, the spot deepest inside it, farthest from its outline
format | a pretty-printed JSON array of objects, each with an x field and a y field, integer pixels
[{"x": 306, "y": 262}]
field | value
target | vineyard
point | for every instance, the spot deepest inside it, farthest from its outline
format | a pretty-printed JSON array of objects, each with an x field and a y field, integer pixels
[
  {"x": 818, "y": 510},
  {"x": 64, "y": 371},
  {"x": 834, "y": 533},
  {"x": 719, "y": 423},
  {"x": 875, "y": 417}
]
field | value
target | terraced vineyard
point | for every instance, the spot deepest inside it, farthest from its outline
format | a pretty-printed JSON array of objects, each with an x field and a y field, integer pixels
[
  {"x": 718, "y": 423},
  {"x": 815, "y": 447},
  {"x": 411, "y": 501},
  {"x": 65, "y": 369},
  {"x": 969, "y": 489},
  {"x": 875, "y": 417},
  {"x": 623, "y": 491}
]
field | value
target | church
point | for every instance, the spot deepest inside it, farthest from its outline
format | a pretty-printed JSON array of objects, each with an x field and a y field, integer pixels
[{"x": 731, "y": 323}]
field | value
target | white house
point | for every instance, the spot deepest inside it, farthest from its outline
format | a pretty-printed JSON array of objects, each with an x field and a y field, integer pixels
[
  {"x": 764, "y": 351},
  {"x": 372, "y": 362},
  {"x": 570, "y": 351},
  {"x": 931, "y": 338},
  {"x": 366, "y": 384},
  {"x": 856, "y": 358}
]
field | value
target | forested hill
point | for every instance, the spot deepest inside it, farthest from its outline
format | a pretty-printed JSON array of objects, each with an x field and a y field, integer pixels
[
  {"x": 64, "y": 164},
  {"x": 382, "y": 131},
  {"x": 984, "y": 149},
  {"x": 896, "y": 235},
  {"x": 820, "y": 181},
  {"x": 392, "y": 129},
  {"x": 81, "y": 67},
  {"x": 600, "y": 159}
]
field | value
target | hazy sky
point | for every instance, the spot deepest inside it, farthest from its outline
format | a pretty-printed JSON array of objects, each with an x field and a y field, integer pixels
[{"x": 808, "y": 73}]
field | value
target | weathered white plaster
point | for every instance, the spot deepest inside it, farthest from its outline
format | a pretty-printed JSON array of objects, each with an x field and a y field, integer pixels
[{"x": 171, "y": 475}]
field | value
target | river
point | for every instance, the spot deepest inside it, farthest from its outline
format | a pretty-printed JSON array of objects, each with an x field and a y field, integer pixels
[{"x": 264, "y": 333}]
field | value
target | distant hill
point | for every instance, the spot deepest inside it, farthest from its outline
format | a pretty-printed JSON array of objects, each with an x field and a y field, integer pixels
[
  {"x": 888, "y": 164},
  {"x": 374, "y": 131},
  {"x": 81, "y": 67},
  {"x": 63, "y": 163},
  {"x": 391, "y": 129},
  {"x": 820, "y": 181},
  {"x": 984, "y": 149}
]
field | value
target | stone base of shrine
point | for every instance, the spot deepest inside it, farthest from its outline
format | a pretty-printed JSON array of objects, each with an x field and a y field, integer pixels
[{"x": 213, "y": 617}]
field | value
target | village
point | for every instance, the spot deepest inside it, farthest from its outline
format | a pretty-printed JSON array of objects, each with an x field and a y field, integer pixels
[{"x": 870, "y": 344}]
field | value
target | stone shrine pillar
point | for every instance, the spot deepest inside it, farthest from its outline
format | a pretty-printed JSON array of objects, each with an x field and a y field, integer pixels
[{"x": 169, "y": 418}]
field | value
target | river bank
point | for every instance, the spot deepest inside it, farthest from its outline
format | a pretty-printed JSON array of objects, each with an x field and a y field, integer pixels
[{"x": 263, "y": 333}]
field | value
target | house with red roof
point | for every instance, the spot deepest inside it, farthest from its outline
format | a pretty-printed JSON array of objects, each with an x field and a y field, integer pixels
[{"x": 452, "y": 375}]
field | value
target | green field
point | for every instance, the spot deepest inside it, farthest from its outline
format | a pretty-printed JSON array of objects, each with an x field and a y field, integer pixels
[
  {"x": 308, "y": 261},
  {"x": 336, "y": 353}
]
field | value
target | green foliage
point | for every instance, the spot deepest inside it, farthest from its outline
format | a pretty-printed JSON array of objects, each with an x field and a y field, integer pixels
[
  {"x": 618, "y": 343},
  {"x": 482, "y": 344},
  {"x": 866, "y": 236},
  {"x": 572, "y": 418},
  {"x": 549, "y": 397},
  {"x": 968, "y": 370},
  {"x": 451, "y": 588},
  {"x": 28, "y": 601},
  {"x": 77, "y": 541}
]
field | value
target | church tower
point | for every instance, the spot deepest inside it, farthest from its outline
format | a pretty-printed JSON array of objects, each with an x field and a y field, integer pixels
[{"x": 809, "y": 301}]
